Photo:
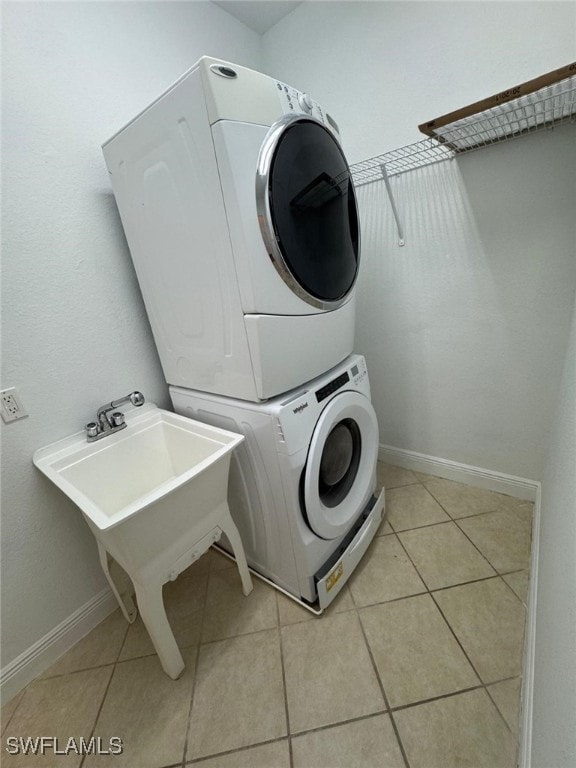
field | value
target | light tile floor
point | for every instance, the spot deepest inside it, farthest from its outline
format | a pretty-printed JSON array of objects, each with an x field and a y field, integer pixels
[{"x": 417, "y": 664}]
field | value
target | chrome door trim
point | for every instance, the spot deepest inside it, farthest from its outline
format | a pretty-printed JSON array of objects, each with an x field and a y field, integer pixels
[{"x": 265, "y": 218}]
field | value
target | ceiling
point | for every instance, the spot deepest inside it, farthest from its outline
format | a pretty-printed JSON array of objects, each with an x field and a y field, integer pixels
[{"x": 259, "y": 15}]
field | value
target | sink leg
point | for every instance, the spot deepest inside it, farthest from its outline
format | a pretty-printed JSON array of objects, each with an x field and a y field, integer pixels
[
  {"x": 229, "y": 528},
  {"x": 153, "y": 615},
  {"x": 125, "y": 599}
]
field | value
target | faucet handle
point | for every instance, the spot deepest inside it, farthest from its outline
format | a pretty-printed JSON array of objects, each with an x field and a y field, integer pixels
[
  {"x": 92, "y": 429},
  {"x": 117, "y": 419}
]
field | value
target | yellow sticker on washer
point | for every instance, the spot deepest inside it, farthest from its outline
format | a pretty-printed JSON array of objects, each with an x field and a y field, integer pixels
[{"x": 334, "y": 576}]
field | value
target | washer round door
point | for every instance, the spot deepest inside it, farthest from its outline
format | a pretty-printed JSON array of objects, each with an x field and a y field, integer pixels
[
  {"x": 307, "y": 211},
  {"x": 339, "y": 471}
]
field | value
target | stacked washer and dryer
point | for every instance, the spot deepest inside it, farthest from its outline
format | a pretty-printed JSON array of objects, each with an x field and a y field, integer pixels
[{"x": 241, "y": 218}]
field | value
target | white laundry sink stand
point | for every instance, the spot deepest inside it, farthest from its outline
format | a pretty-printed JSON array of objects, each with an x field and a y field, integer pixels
[{"x": 155, "y": 498}]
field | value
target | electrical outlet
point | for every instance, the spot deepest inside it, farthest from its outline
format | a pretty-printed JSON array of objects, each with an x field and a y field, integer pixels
[{"x": 11, "y": 406}]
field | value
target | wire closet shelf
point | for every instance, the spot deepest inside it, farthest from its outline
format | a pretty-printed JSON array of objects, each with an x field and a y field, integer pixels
[{"x": 544, "y": 102}]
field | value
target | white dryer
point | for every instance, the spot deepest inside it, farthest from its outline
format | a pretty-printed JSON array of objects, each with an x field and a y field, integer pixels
[
  {"x": 302, "y": 485},
  {"x": 240, "y": 213}
]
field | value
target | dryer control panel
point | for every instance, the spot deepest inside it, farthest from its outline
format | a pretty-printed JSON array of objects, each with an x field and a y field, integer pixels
[{"x": 294, "y": 102}]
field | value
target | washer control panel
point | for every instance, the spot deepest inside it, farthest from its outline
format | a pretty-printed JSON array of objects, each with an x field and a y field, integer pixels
[
  {"x": 332, "y": 386},
  {"x": 358, "y": 372}
]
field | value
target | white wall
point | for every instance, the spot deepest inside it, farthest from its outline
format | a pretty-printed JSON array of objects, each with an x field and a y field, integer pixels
[
  {"x": 385, "y": 67},
  {"x": 554, "y": 713},
  {"x": 75, "y": 333},
  {"x": 465, "y": 328}
]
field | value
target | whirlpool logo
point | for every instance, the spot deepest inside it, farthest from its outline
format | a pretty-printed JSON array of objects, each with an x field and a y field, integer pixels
[{"x": 300, "y": 408}]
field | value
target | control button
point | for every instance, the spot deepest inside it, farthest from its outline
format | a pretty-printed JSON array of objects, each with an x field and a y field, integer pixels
[
  {"x": 218, "y": 69},
  {"x": 279, "y": 86},
  {"x": 305, "y": 102}
]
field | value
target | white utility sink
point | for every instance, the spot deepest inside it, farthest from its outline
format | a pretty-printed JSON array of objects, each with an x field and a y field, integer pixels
[
  {"x": 113, "y": 479},
  {"x": 155, "y": 497}
]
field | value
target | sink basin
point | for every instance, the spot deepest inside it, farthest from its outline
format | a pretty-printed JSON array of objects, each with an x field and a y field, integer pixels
[
  {"x": 155, "y": 497},
  {"x": 115, "y": 478}
]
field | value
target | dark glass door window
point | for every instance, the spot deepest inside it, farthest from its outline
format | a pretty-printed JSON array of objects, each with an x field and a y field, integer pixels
[
  {"x": 339, "y": 462},
  {"x": 313, "y": 210}
]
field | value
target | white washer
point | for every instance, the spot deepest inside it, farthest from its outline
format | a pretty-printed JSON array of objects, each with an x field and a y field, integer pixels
[
  {"x": 240, "y": 214},
  {"x": 302, "y": 484}
]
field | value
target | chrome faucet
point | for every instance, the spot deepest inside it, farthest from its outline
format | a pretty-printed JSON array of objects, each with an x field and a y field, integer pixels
[{"x": 108, "y": 419}]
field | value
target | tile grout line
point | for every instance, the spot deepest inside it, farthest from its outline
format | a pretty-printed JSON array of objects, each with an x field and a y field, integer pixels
[
  {"x": 113, "y": 663},
  {"x": 284, "y": 687},
  {"x": 474, "y": 544},
  {"x": 43, "y": 676},
  {"x": 380, "y": 684},
  {"x": 451, "y": 519},
  {"x": 432, "y": 699},
  {"x": 429, "y": 592},
  {"x": 101, "y": 707},
  {"x": 482, "y": 683},
  {"x": 455, "y": 521},
  {"x": 515, "y": 735},
  {"x": 426, "y": 591},
  {"x": 496, "y": 574},
  {"x": 439, "y": 522},
  {"x": 242, "y": 634},
  {"x": 448, "y": 513},
  {"x": 203, "y": 758},
  {"x": 22, "y": 694},
  {"x": 130, "y": 624},
  {"x": 194, "y": 760},
  {"x": 511, "y": 573},
  {"x": 195, "y": 673},
  {"x": 499, "y": 573},
  {"x": 327, "y": 727}
]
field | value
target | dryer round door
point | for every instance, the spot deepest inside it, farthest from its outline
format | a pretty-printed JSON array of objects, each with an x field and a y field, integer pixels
[
  {"x": 339, "y": 471},
  {"x": 307, "y": 211}
]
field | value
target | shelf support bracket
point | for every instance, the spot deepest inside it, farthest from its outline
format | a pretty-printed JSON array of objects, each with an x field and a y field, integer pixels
[{"x": 400, "y": 228}]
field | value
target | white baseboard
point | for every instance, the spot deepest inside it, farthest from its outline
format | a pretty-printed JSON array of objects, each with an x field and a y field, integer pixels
[
  {"x": 519, "y": 487},
  {"x": 44, "y": 652},
  {"x": 527, "y": 696}
]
